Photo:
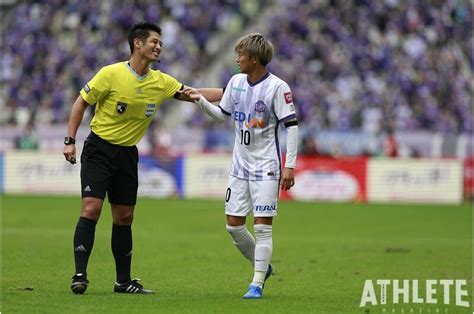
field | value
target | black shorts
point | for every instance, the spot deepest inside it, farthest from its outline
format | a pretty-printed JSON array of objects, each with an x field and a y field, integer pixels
[{"x": 111, "y": 169}]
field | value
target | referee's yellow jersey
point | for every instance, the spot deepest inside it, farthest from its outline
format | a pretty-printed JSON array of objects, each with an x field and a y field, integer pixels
[{"x": 126, "y": 102}]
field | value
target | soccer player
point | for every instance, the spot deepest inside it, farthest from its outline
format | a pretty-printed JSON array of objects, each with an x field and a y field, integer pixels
[
  {"x": 127, "y": 95},
  {"x": 258, "y": 102}
]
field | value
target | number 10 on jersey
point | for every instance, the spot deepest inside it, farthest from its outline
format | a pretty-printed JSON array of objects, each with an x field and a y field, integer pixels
[{"x": 244, "y": 137}]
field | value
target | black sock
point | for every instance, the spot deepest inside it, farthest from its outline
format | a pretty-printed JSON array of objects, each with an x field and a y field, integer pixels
[
  {"x": 122, "y": 250},
  {"x": 83, "y": 243}
]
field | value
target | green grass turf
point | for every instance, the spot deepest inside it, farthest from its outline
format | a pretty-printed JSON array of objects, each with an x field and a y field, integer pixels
[{"x": 322, "y": 255}]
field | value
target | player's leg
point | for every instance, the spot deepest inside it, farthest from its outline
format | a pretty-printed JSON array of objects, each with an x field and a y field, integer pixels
[
  {"x": 263, "y": 249},
  {"x": 237, "y": 206},
  {"x": 264, "y": 199},
  {"x": 123, "y": 197},
  {"x": 241, "y": 237},
  {"x": 95, "y": 172}
]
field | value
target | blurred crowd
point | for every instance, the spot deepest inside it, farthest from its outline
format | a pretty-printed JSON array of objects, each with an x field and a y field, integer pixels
[
  {"x": 51, "y": 48},
  {"x": 376, "y": 66}
]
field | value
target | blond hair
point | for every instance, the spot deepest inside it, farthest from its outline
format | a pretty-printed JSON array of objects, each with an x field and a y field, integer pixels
[{"x": 256, "y": 46}]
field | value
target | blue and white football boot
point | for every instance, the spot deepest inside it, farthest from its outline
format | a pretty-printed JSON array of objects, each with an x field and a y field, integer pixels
[{"x": 256, "y": 292}]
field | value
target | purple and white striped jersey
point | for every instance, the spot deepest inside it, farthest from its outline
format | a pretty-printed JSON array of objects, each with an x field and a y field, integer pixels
[{"x": 257, "y": 110}]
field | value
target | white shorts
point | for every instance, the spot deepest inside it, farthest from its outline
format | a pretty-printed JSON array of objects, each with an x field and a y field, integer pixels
[{"x": 242, "y": 196}]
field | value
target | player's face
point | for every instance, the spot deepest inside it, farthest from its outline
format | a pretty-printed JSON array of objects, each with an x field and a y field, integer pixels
[
  {"x": 151, "y": 48},
  {"x": 245, "y": 63}
]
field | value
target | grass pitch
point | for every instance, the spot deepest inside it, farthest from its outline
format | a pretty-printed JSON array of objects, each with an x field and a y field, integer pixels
[{"x": 323, "y": 253}]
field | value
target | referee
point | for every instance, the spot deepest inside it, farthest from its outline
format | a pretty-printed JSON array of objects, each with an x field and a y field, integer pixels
[{"x": 127, "y": 95}]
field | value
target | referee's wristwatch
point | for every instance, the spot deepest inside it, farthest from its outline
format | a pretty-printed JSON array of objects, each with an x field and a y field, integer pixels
[{"x": 69, "y": 140}]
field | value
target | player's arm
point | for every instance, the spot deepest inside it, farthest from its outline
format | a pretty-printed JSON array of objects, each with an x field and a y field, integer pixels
[
  {"x": 211, "y": 94},
  {"x": 75, "y": 119},
  {"x": 285, "y": 111},
  {"x": 215, "y": 112},
  {"x": 288, "y": 176}
]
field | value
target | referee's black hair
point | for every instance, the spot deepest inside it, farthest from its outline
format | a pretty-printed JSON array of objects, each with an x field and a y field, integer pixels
[{"x": 142, "y": 31}]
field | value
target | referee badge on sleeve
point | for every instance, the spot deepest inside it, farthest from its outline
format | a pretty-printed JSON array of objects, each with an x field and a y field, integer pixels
[{"x": 121, "y": 107}]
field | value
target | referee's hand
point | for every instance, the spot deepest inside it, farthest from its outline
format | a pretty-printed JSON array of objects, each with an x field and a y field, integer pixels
[
  {"x": 70, "y": 153},
  {"x": 192, "y": 93}
]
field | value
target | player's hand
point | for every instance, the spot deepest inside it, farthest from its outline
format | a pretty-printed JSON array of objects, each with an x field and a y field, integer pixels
[
  {"x": 70, "y": 153},
  {"x": 287, "y": 179},
  {"x": 192, "y": 93}
]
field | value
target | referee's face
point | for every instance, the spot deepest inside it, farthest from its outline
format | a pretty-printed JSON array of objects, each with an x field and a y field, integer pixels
[{"x": 151, "y": 48}]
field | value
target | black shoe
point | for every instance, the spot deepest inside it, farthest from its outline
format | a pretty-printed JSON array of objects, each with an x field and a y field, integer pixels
[
  {"x": 79, "y": 283},
  {"x": 131, "y": 287}
]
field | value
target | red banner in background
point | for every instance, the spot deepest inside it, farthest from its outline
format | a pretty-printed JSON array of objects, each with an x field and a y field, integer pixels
[
  {"x": 469, "y": 178},
  {"x": 329, "y": 179}
]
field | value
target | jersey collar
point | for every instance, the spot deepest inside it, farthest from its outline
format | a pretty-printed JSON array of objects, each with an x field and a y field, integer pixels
[
  {"x": 141, "y": 78},
  {"x": 259, "y": 81}
]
